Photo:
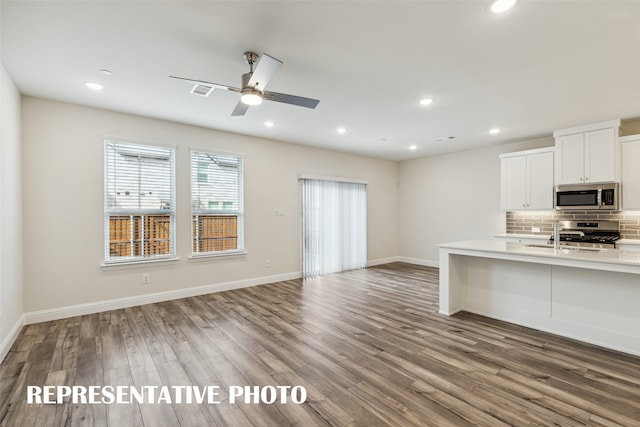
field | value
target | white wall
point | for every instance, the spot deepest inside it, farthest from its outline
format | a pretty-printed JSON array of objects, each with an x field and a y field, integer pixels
[
  {"x": 11, "y": 305},
  {"x": 452, "y": 197},
  {"x": 63, "y": 205},
  {"x": 443, "y": 198}
]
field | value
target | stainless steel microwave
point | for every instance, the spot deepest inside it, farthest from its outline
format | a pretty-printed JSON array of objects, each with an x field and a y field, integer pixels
[{"x": 580, "y": 197}]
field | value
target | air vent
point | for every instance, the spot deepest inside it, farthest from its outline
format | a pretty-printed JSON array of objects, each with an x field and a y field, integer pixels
[{"x": 202, "y": 90}]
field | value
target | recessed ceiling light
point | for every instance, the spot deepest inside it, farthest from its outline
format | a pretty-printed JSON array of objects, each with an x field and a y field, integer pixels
[
  {"x": 269, "y": 124},
  {"x": 426, "y": 101},
  {"x": 341, "y": 130},
  {"x": 499, "y": 6},
  {"x": 94, "y": 86},
  {"x": 413, "y": 147},
  {"x": 494, "y": 131}
]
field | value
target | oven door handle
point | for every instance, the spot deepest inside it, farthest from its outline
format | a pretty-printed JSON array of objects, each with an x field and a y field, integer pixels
[{"x": 573, "y": 232}]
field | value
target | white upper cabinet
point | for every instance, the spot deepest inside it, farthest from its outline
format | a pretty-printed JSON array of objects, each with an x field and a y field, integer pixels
[
  {"x": 588, "y": 154},
  {"x": 540, "y": 167},
  {"x": 601, "y": 155},
  {"x": 514, "y": 176},
  {"x": 527, "y": 180},
  {"x": 630, "y": 171},
  {"x": 570, "y": 159}
]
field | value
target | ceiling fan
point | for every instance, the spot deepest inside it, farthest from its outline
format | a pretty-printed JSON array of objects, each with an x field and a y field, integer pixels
[{"x": 253, "y": 85}]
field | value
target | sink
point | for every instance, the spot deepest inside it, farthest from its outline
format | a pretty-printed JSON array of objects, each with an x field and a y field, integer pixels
[{"x": 536, "y": 245}]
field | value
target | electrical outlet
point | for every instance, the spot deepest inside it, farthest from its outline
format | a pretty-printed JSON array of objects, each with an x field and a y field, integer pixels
[
  {"x": 145, "y": 278},
  {"x": 267, "y": 263},
  {"x": 535, "y": 229},
  {"x": 279, "y": 212}
]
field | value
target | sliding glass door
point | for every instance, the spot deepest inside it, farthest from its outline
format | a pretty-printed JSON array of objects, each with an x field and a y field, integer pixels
[{"x": 334, "y": 222}]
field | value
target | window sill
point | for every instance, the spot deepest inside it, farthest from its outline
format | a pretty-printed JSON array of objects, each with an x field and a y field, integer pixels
[
  {"x": 129, "y": 264},
  {"x": 230, "y": 254}
]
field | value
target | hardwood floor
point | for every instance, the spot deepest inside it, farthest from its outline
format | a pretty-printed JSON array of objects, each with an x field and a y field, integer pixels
[{"x": 368, "y": 346}]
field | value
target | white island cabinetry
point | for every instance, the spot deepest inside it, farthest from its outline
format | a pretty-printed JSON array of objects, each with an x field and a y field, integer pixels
[{"x": 586, "y": 295}]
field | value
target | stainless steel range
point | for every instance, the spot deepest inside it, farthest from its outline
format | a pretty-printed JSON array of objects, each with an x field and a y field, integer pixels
[{"x": 589, "y": 234}]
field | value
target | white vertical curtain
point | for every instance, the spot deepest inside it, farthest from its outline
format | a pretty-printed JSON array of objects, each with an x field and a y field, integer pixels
[{"x": 334, "y": 221}]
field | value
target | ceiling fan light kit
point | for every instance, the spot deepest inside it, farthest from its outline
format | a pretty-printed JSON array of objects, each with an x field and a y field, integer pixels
[
  {"x": 251, "y": 96},
  {"x": 254, "y": 83}
]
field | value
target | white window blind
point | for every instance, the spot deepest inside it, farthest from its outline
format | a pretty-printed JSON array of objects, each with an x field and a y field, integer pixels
[
  {"x": 139, "y": 202},
  {"x": 334, "y": 226},
  {"x": 217, "y": 210}
]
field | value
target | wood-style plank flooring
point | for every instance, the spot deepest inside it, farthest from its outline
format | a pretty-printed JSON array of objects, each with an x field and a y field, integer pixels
[{"x": 368, "y": 346}]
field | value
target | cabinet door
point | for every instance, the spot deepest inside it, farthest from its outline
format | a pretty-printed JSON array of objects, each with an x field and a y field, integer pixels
[
  {"x": 570, "y": 159},
  {"x": 540, "y": 167},
  {"x": 514, "y": 183},
  {"x": 599, "y": 155},
  {"x": 631, "y": 174}
]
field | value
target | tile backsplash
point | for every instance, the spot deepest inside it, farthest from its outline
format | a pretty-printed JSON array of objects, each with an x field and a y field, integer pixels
[{"x": 521, "y": 222}]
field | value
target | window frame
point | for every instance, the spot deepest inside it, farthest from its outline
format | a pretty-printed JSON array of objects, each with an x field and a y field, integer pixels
[
  {"x": 143, "y": 213},
  {"x": 220, "y": 211}
]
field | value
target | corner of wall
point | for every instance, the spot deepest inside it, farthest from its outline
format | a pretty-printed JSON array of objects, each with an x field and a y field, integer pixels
[
  {"x": 11, "y": 233},
  {"x": 10, "y": 338}
]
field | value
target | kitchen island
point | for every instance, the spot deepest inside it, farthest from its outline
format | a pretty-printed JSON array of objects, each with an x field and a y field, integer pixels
[{"x": 592, "y": 296}]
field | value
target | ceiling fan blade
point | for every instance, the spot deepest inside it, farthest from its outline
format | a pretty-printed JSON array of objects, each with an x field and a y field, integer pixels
[
  {"x": 240, "y": 110},
  {"x": 202, "y": 82},
  {"x": 291, "y": 99},
  {"x": 265, "y": 69}
]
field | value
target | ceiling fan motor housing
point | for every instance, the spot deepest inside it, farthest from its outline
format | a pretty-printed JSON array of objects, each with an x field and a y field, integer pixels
[{"x": 245, "y": 80}]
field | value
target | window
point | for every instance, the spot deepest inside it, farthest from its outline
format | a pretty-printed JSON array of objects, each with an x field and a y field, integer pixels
[
  {"x": 203, "y": 172},
  {"x": 216, "y": 203},
  {"x": 139, "y": 202},
  {"x": 334, "y": 223}
]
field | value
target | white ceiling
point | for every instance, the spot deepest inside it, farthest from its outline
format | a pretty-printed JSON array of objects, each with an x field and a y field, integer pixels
[{"x": 544, "y": 65}]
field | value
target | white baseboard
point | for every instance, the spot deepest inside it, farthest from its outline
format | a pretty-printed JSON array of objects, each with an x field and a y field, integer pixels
[
  {"x": 418, "y": 261},
  {"x": 10, "y": 339},
  {"x": 381, "y": 261},
  {"x": 114, "y": 304}
]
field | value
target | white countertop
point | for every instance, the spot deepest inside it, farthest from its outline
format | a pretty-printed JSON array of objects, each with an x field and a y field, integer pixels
[{"x": 621, "y": 260}]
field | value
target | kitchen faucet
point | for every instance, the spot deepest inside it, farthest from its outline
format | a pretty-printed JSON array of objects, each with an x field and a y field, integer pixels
[{"x": 556, "y": 236}]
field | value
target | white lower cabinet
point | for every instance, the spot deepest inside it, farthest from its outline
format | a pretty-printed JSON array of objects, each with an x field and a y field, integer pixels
[{"x": 527, "y": 180}]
